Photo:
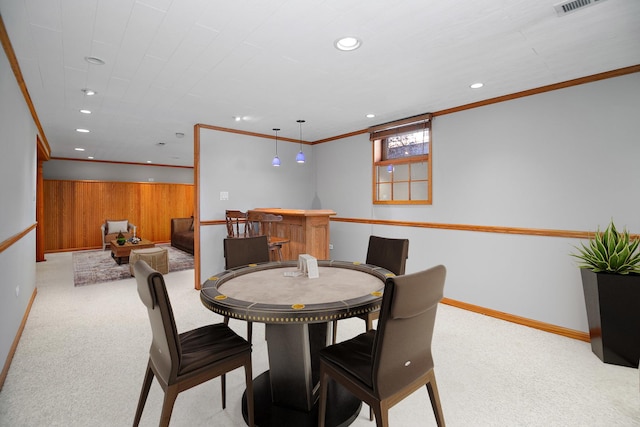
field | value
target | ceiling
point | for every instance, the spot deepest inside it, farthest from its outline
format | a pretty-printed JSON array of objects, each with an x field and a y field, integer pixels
[{"x": 170, "y": 64}]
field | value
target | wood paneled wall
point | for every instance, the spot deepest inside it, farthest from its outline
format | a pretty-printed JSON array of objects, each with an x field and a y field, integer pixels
[{"x": 74, "y": 210}]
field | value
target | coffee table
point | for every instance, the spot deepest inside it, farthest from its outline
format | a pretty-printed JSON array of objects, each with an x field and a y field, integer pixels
[{"x": 121, "y": 252}]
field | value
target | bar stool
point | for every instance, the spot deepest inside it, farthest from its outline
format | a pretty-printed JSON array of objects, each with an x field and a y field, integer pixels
[{"x": 261, "y": 224}]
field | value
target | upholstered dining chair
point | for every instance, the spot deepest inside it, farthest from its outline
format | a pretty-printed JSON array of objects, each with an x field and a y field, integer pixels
[
  {"x": 111, "y": 228},
  {"x": 261, "y": 224},
  {"x": 390, "y": 254},
  {"x": 239, "y": 252},
  {"x": 249, "y": 250},
  {"x": 182, "y": 361},
  {"x": 382, "y": 367}
]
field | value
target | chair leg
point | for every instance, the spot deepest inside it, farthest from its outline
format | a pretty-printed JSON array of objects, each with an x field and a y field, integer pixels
[
  {"x": 335, "y": 331},
  {"x": 170, "y": 395},
  {"x": 249, "y": 327},
  {"x": 434, "y": 396},
  {"x": 146, "y": 385},
  {"x": 249, "y": 392},
  {"x": 369, "y": 322},
  {"x": 322, "y": 406},
  {"x": 382, "y": 414},
  {"x": 223, "y": 384},
  {"x": 277, "y": 253}
]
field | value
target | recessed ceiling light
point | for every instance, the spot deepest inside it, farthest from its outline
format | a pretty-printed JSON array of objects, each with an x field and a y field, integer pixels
[
  {"x": 83, "y": 130},
  {"x": 149, "y": 161},
  {"x": 370, "y": 116},
  {"x": 237, "y": 118},
  {"x": 89, "y": 92},
  {"x": 79, "y": 149},
  {"x": 476, "y": 85},
  {"x": 90, "y": 157},
  {"x": 85, "y": 111},
  {"x": 93, "y": 60},
  {"x": 347, "y": 43}
]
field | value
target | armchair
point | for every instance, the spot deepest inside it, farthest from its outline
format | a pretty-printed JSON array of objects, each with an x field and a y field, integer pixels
[{"x": 110, "y": 229}]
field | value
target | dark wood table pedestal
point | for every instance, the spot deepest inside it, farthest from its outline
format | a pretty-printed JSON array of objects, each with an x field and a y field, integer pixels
[
  {"x": 287, "y": 394},
  {"x": 342, "y": 407}
]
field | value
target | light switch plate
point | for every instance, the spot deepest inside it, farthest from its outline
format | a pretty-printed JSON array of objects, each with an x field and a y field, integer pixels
[{"x": 224, "y": 195}]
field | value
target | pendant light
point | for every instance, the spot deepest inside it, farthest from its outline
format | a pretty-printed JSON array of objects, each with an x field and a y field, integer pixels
[
  {"x": 276, "y": 160},
  {"x": 300, "y": 156}
]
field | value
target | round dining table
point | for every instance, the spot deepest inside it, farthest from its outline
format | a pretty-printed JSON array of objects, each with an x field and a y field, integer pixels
[{"x": 297, "y": 311}]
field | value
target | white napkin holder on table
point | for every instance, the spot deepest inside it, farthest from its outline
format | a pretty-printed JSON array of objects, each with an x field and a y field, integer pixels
[{"x": 308, "y": 265}]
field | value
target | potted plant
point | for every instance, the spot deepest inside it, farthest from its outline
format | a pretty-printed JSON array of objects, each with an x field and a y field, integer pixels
[
  {"x": 610, "y": 269},
  {"x": 121, "y": 239}
]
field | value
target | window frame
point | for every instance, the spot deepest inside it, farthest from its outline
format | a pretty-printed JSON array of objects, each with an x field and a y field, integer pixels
[{"x": 377, "y": 135}]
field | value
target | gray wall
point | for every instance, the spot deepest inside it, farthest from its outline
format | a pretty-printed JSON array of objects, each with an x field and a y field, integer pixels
[
  {"x": 17, "y": 211},
  {"x": 241, "y": 166},
  {"x": 565, "y": 160},
  {"x": 100, "y": 171}
]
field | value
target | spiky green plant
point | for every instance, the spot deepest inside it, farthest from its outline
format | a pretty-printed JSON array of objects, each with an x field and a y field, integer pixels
[{"x": 610, "y": 251}]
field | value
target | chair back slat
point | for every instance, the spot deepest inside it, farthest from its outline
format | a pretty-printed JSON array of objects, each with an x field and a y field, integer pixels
[
  {"x": 260, "y": 223},
  {"x": 237, "y": 225},
  {"x": 402, "y": 347},
  {"x": 165, "y": 345}
]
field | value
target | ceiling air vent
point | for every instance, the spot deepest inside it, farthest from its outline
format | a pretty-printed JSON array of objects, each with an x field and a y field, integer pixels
[{"x": 567, "y": 7}]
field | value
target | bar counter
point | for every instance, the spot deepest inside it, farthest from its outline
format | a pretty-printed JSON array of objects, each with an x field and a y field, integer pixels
[{"x": 306, "y": 229}]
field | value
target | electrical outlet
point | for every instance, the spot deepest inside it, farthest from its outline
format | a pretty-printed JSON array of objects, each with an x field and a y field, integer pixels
[
  {"x": 330, "y": 246},
  {"x": 224, "y": 195}
]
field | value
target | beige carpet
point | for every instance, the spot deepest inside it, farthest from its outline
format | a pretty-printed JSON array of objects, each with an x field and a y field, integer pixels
[{"x": 84, "y": 350}]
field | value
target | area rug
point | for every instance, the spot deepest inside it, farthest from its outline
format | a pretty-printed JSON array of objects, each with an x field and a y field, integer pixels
[{"x": 91, "y": 267}]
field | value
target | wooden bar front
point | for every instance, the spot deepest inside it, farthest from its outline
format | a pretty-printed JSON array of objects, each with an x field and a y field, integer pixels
[{"x": 307, "y": 231}]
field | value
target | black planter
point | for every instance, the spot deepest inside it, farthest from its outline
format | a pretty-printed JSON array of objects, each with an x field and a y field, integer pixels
[{"x": 613, "y": 312}]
